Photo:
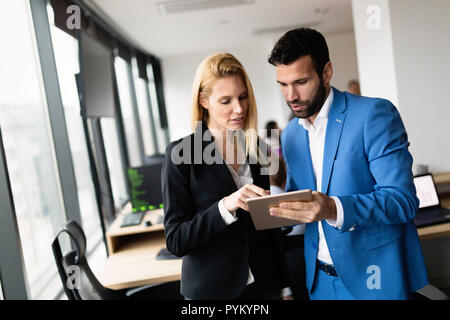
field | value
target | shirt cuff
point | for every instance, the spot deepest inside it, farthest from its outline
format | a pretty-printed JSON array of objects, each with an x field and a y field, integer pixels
[
  {"x": 227, "y": 216},
  {"x": 339, "y": 222},
  {"x": 286, "y": 292}
]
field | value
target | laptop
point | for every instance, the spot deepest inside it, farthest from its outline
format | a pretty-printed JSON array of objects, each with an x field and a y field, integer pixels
[{"x": 430, "y": 211}]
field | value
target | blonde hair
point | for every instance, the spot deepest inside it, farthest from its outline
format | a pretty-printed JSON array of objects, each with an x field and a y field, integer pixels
[{"x": 214, "y": 67}]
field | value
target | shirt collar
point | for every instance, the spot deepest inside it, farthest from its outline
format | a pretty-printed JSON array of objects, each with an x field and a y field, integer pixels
[{"x": 323, "y": 113}]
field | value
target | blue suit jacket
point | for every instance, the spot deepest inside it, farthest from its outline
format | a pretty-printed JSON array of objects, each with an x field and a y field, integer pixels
[{"x": 367, "y": 165}]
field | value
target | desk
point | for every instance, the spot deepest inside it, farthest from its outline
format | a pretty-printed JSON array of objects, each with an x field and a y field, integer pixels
[
  {"x": 442, "y": 181},
  {"x": 132, "y": 261},
  {"x": 439, "y": 230}
]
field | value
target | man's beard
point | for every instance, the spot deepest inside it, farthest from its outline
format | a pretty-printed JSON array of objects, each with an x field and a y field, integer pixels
[{"x": 311, "y": 107}]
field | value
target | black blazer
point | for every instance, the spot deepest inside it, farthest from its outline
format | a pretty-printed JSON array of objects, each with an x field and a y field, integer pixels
[{"x": 216, "y": 257}]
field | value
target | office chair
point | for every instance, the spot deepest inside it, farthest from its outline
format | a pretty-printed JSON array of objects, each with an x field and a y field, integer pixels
[
  {"x": 87, "y": 286},
  {"x": 430, "y": 292}
]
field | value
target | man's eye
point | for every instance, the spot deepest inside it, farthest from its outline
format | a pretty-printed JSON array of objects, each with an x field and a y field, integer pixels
[{"x": 301, "y": 82}]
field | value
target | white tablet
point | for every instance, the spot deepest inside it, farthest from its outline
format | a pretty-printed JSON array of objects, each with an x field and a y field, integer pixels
[{"x": 259, "y": 208}]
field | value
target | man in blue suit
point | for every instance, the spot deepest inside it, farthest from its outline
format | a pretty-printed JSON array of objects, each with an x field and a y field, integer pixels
[{"x": 360, "y": 239}]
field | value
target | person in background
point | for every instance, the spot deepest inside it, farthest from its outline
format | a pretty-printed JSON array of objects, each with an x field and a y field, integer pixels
[
  {"x": 352, "y": 151},
  {"x": 206, "y": 217},
  {"x": 273, "y": 141},
  {"x": 353, "y": 87}
]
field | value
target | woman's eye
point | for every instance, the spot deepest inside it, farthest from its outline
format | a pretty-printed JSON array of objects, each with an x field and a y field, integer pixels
[
  {"x": 243, "y": 97},
  {"x": 225, "y": 102}
]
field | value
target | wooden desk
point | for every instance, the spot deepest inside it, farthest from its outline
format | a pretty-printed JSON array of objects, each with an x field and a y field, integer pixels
[
  {"x": 132, "y": 261},
  {"x": 442, "y": 181},
  {"x": 439, "y": 230}
]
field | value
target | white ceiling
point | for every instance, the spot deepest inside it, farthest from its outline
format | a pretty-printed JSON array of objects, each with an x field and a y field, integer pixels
[{"x": 162, "y": 35}]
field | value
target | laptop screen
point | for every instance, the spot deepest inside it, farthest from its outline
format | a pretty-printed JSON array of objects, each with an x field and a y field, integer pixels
[{"x": 426, "y": 191}]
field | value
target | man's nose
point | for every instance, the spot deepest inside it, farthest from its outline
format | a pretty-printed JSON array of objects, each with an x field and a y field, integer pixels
[{"x": 292, "y": 94}]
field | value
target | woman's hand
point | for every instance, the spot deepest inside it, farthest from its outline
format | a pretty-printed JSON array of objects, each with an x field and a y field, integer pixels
[{"x": 239, "y": 198}]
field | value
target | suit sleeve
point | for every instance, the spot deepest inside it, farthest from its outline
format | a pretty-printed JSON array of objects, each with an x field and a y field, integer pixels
[
  {"x": 185, "y": 229},
  {"x": 393, "y": 200}
]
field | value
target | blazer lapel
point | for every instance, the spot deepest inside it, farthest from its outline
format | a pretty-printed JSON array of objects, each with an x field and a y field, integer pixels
[
  {"x": 306, "y": 162},
  {"x": 336, "y": 119},
  {"x": 258, "y": 178},
  {"x": 219, "y": 170}
]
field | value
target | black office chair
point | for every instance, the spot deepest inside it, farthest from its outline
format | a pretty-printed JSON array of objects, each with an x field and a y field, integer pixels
[{"x": 80, "y": 283}]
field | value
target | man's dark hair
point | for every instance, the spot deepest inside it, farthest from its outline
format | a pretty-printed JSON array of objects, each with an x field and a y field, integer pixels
[{"x": 298, "y": 43}]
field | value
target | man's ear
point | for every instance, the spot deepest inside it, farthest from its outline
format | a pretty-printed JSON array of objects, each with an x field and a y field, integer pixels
[{"x": 327, "y": 73}]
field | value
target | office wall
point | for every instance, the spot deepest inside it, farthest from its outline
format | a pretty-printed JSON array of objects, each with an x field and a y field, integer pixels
[
  {"x": 420, "y": 31},
  {"x": 179, "y": 71},
  {"x": 372, "y": 27},
  {"x": 342, "y": 49},
  {"x": 405, "y": 59}
]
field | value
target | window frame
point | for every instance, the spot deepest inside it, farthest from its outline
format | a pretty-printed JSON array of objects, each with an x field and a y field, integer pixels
[{"x": 12, "y": 270}]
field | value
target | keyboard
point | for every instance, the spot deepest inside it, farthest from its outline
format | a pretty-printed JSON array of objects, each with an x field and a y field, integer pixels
[
  {"x": 165, "y": 254},
  {"x": 132, "y": 219}
]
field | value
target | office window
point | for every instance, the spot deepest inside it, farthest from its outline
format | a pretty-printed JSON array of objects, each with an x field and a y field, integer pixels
[
  {"x": 145, "y": 116},
  {"x": 29, "y": 151},
  {"x": 161, "y": 134},
  {"x": 66, "y": 55},
  {"x": 128, "y": 111},
  {"x": 114, "y": 159},
  {"x": 1, "y": 291}
]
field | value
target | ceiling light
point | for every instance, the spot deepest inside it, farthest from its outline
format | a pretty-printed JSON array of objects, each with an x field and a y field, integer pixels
[{"x": 179, "y": 6}]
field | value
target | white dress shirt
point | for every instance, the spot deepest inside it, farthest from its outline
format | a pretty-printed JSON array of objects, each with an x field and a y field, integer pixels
[
  {"x": 316, "y": 134},
  {"x": 242, "y": 177}
]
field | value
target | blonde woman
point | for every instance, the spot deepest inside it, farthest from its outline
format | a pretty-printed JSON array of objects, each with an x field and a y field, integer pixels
[{"x": 207, "y": 177}]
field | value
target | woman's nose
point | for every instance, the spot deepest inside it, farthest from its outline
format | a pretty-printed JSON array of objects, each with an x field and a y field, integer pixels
[{"x": 238, "y": 107}]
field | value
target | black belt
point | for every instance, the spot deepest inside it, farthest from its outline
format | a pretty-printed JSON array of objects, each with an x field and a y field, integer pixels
[{"x": 328, "y": 268}]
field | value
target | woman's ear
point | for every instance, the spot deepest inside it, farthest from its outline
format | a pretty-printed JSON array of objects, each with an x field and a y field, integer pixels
[{"x": 203, "y": 101}]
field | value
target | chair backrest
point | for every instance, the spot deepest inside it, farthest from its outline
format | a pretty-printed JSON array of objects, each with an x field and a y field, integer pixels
[{"x": 78, "y": 280}]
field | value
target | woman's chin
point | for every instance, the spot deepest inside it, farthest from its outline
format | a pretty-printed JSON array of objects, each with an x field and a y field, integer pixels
[{"x": 236, "y": 126}]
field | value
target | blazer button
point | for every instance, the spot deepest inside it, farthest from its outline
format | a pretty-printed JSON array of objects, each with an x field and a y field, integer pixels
[{"x": 314, "y": 245}]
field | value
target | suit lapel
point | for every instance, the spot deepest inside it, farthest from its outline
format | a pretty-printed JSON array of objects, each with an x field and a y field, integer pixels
[
  {"x": 305, "y": 158},
  {"x": 336, "y": 119},
  {"x": 219, "y": 170},
  {"x": 258, "y": 179}
]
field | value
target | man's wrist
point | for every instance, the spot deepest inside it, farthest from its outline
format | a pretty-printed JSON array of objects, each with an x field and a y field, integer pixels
[{"x": 332, "y": 212}]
